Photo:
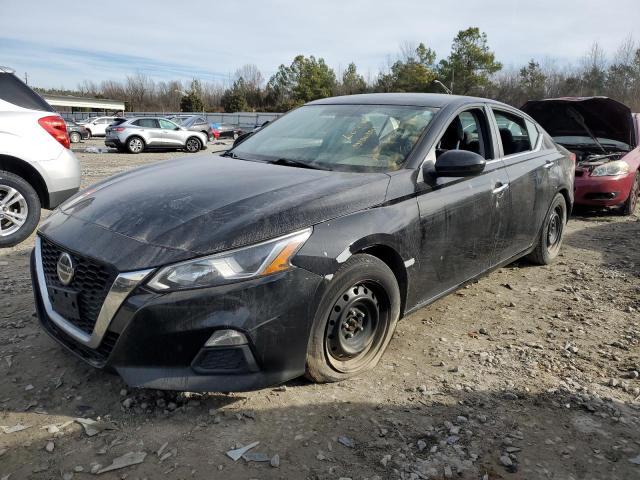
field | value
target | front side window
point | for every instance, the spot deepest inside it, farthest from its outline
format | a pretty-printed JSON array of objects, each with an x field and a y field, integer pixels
[
  {"x": 467, "y": 131},
  {"x": 356, "y": 138},
  {"x": 167, "y": 125},
  {"x": 514, "y": 134}
]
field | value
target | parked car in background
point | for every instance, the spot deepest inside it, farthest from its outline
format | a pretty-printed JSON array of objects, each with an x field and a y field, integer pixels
[
  {"x": 297, "y": 251},
  {"x": 605, "y": 137},
  {"x": 97, "y": 126},
  {"x": 138, "y": 134},
  {"x": 226, "y": 130},
  {"x": 197, "y": 123},
  {"x": 37, "y": 168},
  {"x": 76, "y": 131}
]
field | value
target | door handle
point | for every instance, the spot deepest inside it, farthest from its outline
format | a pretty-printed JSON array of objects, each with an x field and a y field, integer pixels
[
  {"x": 500, "y": 187},
  {"x": 549, "y": 164}
]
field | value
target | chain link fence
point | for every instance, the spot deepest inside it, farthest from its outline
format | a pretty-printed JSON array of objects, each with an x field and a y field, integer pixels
[{"x": 242, "y": 119}]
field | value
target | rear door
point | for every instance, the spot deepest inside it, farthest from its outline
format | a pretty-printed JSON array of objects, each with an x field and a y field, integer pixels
[
  {"x": 150, "y": 130},
  {"x": 462, "y": 218},
  {"x": 531, "y": 169}
]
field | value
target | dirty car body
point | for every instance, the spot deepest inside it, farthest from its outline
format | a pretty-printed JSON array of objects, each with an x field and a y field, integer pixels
[
  {"x": 607, "y": 166},
  {"x": 122, "y": 272}
]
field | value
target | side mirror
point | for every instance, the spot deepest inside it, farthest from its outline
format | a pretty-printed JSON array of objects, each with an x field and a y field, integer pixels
[{"x": 459, "y": 163}]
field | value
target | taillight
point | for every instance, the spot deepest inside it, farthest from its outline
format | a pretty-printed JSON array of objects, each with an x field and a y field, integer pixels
[
  {"x": 118, "y": 129},
  {"x": 55, "y": 126},
  {"x": 572, "y": 156}
]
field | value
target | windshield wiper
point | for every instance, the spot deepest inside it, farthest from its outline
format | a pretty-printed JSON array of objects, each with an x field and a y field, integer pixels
[
  {"x": 295, "y": 163},
  {"x": 230, "y": 154}
]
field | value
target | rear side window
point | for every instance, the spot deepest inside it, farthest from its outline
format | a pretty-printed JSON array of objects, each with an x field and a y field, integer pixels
[
  {"x": 147, "y": 123},
  {"x": 514, "y": 134},
  {"x": 118, "y": 121},
  {"x": 12, "y": 90}
]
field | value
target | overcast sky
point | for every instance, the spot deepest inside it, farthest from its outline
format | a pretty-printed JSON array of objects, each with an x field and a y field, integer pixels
[{"x": 59, "y": 44}]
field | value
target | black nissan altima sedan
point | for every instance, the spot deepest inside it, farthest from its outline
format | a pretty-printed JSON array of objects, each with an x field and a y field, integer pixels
[{"x": 297, "y": 251}]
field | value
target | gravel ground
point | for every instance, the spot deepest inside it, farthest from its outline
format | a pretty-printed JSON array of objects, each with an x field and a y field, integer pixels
[{"x": 530, "y": 373}]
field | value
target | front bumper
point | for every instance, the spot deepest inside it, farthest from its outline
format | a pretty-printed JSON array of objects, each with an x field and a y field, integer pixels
[
  {"x": 157, "y": 340},
  {"x": 602, "y": 191}
]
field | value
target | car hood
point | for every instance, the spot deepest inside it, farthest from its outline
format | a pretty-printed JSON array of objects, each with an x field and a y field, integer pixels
[
  {"x": 203, "y": 204},
  {"x": 605, "y": 117}
]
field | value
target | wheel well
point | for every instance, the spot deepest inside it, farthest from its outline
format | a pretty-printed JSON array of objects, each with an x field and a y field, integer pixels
[
  {"x": 567, "y": 199},
  {"x": 135, "y": 136},
  {"x": 394, "y": 261},
  {"x": 29, "y": 173}
]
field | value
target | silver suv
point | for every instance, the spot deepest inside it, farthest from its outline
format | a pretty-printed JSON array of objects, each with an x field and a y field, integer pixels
[
  {"x": 139, "y": 134},
  {"x": 37, "y": 167}
]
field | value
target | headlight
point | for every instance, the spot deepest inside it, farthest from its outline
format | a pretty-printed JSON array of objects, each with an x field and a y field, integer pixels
[
  {"x": 254, "y": 261},
  {"x": 610, "y": 169}
]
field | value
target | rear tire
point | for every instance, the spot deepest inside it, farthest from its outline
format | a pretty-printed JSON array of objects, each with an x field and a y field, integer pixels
[
  {"x": 629, "y": 207},
  {"x": 193, "y": 145},
  {"x": 551, "y": 233},
  {"x": 135, "y": 145},
  {"x": 355, "y": 320},
  {"x": 75, "y": 137},
  {"x": 19, "y": 209},
  {"x": 88, "y": 134}
]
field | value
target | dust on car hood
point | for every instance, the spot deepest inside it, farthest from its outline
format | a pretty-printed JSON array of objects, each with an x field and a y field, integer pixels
[
  {"x": 605, "y": 117},
  {"x": 204, "y": 204}
]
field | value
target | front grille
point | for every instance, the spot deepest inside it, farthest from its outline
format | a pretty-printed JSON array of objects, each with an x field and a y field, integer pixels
[
  {"x": 92, "y": 280},
  {"x": 97, "y": 357}
]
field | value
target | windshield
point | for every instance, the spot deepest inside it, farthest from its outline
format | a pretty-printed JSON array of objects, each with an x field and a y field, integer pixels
[
  {"x": 358, "y": 138},
  {"x": 575, "y": 141}
]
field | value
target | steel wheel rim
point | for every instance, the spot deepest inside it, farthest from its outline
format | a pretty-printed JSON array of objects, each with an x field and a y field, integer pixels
[
  {"x": 193, "y": 145},
  {"x": 356, "y": 327},
  {"x": 554, "y": 228},
  {"x": 135, "y": 145},
  {"x": 13, "y": 210}
]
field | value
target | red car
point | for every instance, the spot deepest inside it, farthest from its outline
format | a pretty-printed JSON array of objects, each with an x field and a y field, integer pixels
[{"x": 605, "y": 137}]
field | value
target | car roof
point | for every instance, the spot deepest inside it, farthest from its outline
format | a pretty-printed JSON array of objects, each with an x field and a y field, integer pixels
[{"x": 436, "y": 100}]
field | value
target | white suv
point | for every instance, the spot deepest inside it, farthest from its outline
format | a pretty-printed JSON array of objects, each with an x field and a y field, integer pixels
[
  {"x": 98, "y": 125},
  {"x": 37, "y": 168}
]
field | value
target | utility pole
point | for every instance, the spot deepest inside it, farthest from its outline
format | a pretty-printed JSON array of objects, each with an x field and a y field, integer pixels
[{"x": 26, "y": 78}]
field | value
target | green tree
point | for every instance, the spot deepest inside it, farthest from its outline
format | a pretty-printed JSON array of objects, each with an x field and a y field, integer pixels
[
  {"x": 352, "y": 81},
  {"x": 471, "y": 63},
  {"x": 192, "y": 101},
  {"x": 414, "y": 73},
  {"x": 235, "y": 98},
  {"x": 533, "y": 81},
  {"x": 304, "y": 80}
]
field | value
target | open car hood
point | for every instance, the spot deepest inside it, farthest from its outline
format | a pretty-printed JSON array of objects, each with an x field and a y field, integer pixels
[{"x": 605, "y": 117}]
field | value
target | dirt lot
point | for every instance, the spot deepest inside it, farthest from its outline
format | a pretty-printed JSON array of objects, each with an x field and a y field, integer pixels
[{"x": 530, "y": 373}]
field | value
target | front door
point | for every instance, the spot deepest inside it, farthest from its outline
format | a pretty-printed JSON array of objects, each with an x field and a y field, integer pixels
[
  {"x": 173, "y": 135},
  {"x": 461, "y": 217}
]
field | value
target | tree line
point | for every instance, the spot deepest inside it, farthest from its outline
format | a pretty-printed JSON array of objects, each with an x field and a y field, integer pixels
[{"x": 470, "y": 68}]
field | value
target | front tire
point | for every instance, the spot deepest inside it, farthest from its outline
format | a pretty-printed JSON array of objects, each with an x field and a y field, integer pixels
[
  {"x": 75, "y": 137},
  {"x": 193, "y": 145},
  {"x": 135, "y": 145},
  {"x": 551, "y": 233},
  {"x": 19, "y": 209},
  {"x": 88, "y": 134},
  {"x": 629, "y": 206},
  {"x": 355, "y": 320}
]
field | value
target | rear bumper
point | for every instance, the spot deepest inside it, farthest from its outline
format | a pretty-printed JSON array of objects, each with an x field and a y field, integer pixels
[
  {"x": 603, "y": 191},
  {"x": 113, "y": 142},
  {"x": 157, "y": 340},
  {"x": 56, "y": 198}
]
